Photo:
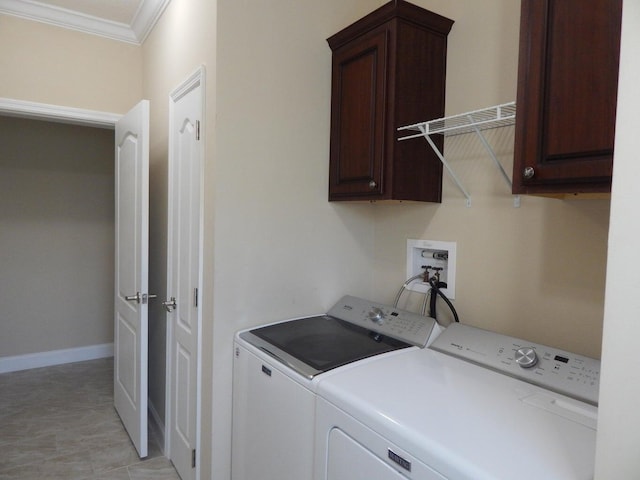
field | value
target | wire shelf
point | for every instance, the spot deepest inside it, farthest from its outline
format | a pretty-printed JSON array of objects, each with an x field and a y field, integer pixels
[
  {"x": 486, "y": 118},
  {"x": 470, "y": 122}
]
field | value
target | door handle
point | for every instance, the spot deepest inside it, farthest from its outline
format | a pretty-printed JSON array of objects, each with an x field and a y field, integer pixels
[
  {"x": 140, "y": 297},
  {"x": 134, "y": 298},
  {"x": 170, "y": 305}
]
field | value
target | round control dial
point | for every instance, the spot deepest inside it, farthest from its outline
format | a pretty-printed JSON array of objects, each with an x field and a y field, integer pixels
[
  {"x": 376, "y": 315},
  {"x": 526, "y": 357}
]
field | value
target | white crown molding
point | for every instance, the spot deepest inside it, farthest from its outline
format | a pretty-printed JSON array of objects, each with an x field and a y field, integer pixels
[
  {"x": 146, "y": 17},
  {"x": 144, "y": 20},
  {"x": 56, "y": 113}
]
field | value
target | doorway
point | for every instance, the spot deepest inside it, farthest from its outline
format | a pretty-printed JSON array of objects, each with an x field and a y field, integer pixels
[
  {"x": 106, "y": 122},
  {"x": 56, "y": 238},
  {"x": 58, "y": 232}
]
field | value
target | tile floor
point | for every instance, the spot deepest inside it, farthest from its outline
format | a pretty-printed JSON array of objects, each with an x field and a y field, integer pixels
[{"x": 59, "y": 423}]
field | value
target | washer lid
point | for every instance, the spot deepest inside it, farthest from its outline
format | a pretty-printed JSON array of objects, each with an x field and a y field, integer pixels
[
  {"x": 465, "y": 421},
  {"x": 317, "y": 344}
]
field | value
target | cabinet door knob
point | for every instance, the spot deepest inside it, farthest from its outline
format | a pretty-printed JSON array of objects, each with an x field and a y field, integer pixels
[
  {"x": 372, "y": 184},
  {"x": 528, "y": 173}
]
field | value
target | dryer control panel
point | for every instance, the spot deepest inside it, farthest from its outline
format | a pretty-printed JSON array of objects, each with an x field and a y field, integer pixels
[
  {"x": 567, "y": 373},
  {"x": 386, "y": 320}
]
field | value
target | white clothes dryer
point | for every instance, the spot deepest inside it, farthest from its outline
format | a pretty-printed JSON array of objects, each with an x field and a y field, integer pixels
[{"x": 474, "y": 406}]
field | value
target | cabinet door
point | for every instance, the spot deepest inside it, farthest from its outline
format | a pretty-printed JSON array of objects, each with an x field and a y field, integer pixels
[
  {"x": 567, "y": 89},
  {"x": 358, "y": 117}
]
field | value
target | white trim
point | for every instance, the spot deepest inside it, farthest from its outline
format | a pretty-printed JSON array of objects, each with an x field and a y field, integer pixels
[
  {"x": 143, "y": 22},
  {"x": 146, "y": 18},
  {"x": 56, "y": 113},
  {"x": 201, "y": 74},
  {"x": 168, "y": 376},
  {"x": 192, "y": 81},
  {"x": 61, "y": 17},
  {"x": 55, "y": 357},
  {"x": 156, "y": 424},
  {"x": 197, "y": 78}
]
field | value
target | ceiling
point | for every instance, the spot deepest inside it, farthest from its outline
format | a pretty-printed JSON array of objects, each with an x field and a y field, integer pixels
[{"x": 124, "y": 20}]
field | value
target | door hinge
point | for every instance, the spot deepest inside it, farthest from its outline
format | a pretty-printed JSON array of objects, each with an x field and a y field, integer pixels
[
  {"x": 193, "y": 458},
  {"x": 197, "y": 129},
  {"x": 195, "y": 297}
]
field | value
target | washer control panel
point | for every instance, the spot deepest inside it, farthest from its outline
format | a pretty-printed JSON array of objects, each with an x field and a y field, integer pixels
[
  {"x": 567, "y": 373},
  {"x": 386, "y": 320}
]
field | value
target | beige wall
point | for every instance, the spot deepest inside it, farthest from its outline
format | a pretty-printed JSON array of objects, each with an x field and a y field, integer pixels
[
  {"x": 280, "y": 249},
  {"x": 46, "y": 64},
  {"x": 182, "y": 41},
  {"x": 274, "y": 246},
  {"x": 51, "y": 65},
  {"x": 279, "y": 246},
  {"x": 56, "y": 236},
  {"x": 536, "y": 272}
]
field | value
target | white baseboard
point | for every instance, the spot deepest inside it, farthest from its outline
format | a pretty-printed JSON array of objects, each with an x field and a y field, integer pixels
[
  {"x": 55, "y": 357},
  {"x": 156, "y": 424}
]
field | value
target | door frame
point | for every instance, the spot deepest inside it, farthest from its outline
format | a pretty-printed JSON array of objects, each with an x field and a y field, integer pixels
[
  {"x": 197, "y": 78},
  {"x": 108, "y": 120},
  {"x": 58, "y": 113}
]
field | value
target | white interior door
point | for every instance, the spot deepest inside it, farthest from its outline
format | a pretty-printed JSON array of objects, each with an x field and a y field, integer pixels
[
  {"x": 184, "y": 274},
  {"x": 131, "y": 272}
]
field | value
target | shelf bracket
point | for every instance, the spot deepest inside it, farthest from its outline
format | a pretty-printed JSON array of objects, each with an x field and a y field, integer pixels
[
  {"x": 475, "y": 121},
  {"x": 446, "y": 165},
  {"x": 492, "y": 154}
]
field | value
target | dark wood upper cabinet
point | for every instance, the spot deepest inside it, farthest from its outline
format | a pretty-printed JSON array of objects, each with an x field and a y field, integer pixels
[
  {"x": 388, "y": 70},
  {"x": 567, "y": 93}
]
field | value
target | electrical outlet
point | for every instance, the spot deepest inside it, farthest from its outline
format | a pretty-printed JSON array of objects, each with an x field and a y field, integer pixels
[{"x": 434, "y": 254}]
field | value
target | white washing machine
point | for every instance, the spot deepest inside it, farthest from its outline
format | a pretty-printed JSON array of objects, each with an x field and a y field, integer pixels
[
  {"x": 278, "y": 367},
  {"x": 474, "y": 406}
]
